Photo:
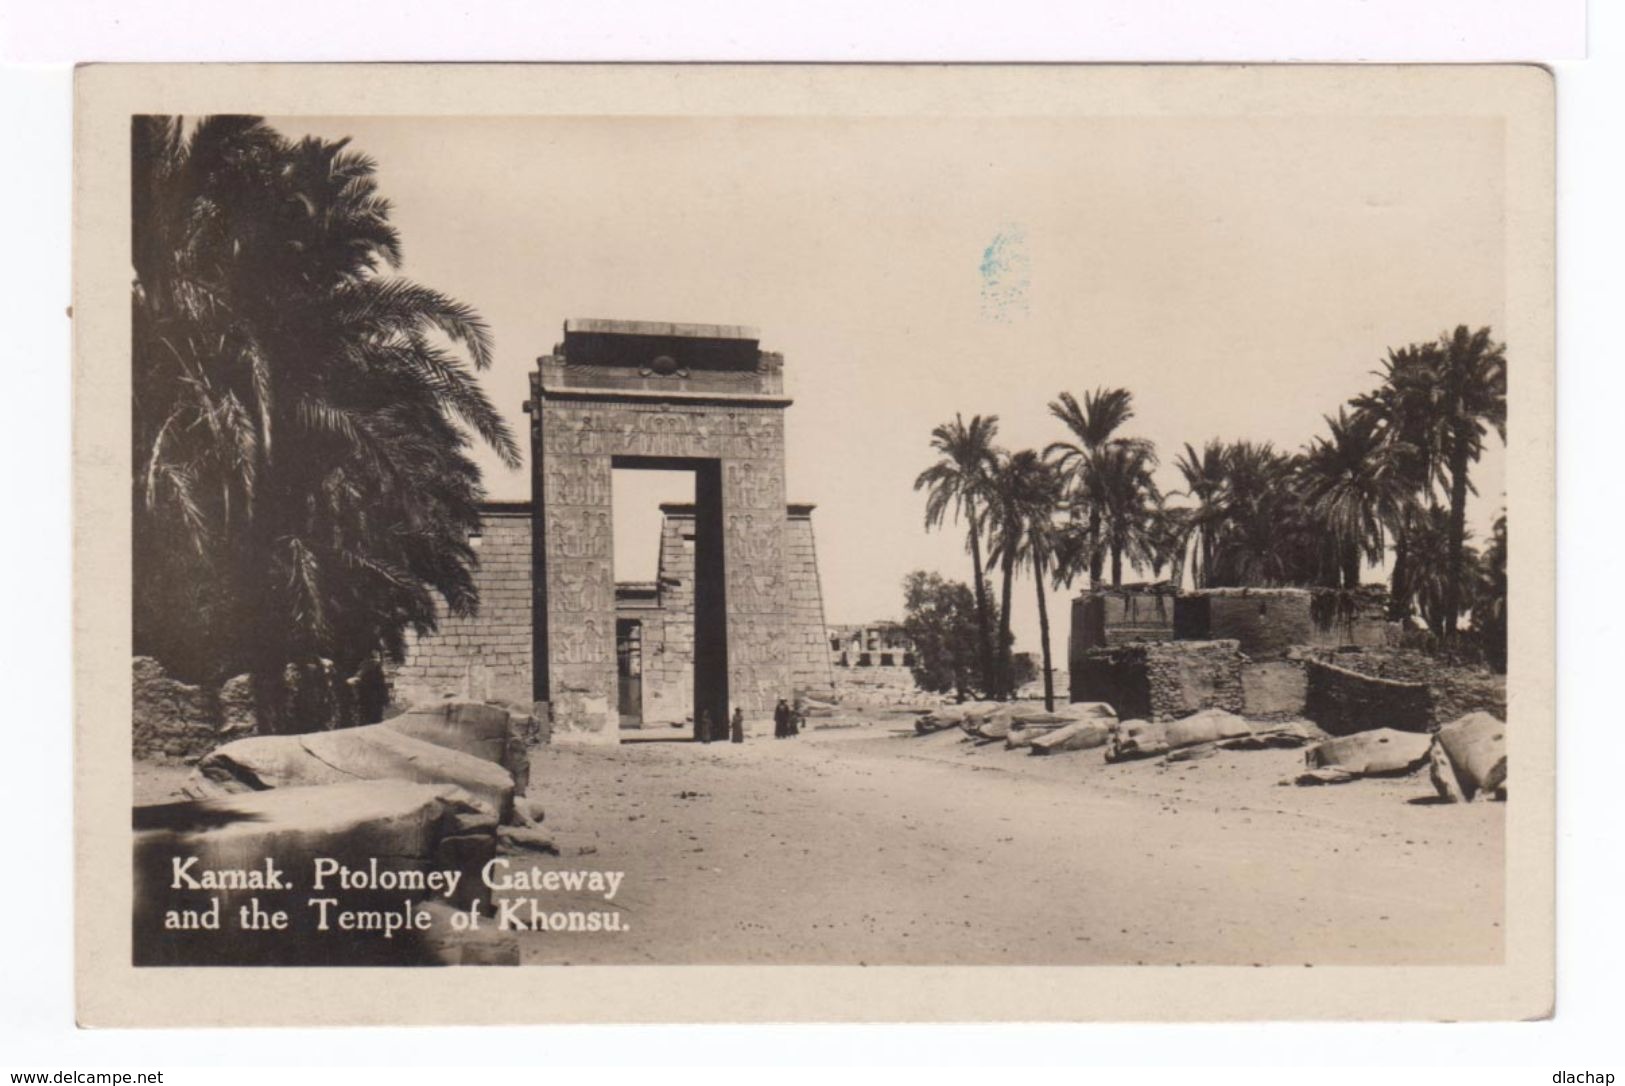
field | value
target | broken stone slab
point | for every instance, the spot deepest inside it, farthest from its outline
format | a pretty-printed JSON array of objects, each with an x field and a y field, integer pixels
[
  {"x": 263, "y": 847},
  {"x": 1136, "y": 739},
  {"x": 993, "y": 724},
  {"x": 492, "y": 732},
  {"x": 1468, "y": 758},
  {"x": 1284, "y": 735},
  {"x": 1144, "y": 738},
  {"x": 1027, "y": 726},
  {"x": 527, "y": 837},
  {"x": 373, "y": 752},
  {"x": 1325, "y": 775},
  {"x": 1375, "y": 753},
  {"x": 1079, "y": 735},
  {"x": 1207, "y": 726}
]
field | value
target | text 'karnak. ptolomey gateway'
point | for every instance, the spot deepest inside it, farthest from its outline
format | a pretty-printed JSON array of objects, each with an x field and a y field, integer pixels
[{"x": 735, "y": 618}]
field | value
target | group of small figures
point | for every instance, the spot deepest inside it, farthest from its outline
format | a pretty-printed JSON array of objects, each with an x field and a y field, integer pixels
[{"x": 787, "y": 723}]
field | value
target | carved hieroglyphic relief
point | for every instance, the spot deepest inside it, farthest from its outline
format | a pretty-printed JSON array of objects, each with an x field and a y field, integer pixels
[{"x": 580, "y": 441}]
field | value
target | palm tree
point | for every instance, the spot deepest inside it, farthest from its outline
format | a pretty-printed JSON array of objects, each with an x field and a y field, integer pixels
[
  {"x": 1432, "y": 547},
  {"x": 1118, "y": 482},
  {"x": 1027, "y": 493},
  {"x": 1405, "y": 410},
  {"x": 959, "y": 483},
  {"x": 301, "y": 418},
  {"x": 1205, "y": 477},
  {"x": 1092, "y": 425},
  {"x": 1353, "y": 485},
  {"x": 1473, "y": 395},
  {"x": 1265, "y": 535},
  {"x": 1490, "y": 597}
]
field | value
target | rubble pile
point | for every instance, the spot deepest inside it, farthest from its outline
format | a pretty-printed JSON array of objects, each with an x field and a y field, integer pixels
[{"x": 438, "y": 791}]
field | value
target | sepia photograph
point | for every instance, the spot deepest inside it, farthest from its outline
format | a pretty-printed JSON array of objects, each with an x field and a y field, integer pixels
[{"x": 861, "y": 519}]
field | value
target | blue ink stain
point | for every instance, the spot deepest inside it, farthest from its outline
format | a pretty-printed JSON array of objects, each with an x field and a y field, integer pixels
[{"x": 1005, "y": 275}]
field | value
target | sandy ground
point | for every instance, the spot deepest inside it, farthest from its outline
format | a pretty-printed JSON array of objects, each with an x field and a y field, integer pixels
[
  {"x": 860, "y": 842},
  {"x": 867, "y": 844}
]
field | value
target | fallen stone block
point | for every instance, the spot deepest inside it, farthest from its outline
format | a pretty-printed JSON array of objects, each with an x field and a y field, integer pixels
[
  {"x": 373, "y": 752},
  {"x": 1375, "y": 753},
  {"x": 492, "y": 732},
  {"x": 992, "y": 724},
  {"x": 1326, "y": 775},
  {"x": 1207, "y": 726},
  {"x": 1144, "y": 739},
  {"x": 952, "y": 715},
  {"x": 1285, "y": 735},
  {"x": 1468, "y": 758},
  {"x": 405, "y": 845},
  {"x": 1025, "y": 727},
  {"x": 527, "y": 837},
  {"x": 1079, "y": 735},
  {"x": 1136, "y": 739},
  {"x": 970, "y": 714}
]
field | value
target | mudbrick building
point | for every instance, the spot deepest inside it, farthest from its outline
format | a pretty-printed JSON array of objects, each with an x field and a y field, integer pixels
[
  {"x": 1333, "y": 657},
  {"x": 735, "y": 618}
]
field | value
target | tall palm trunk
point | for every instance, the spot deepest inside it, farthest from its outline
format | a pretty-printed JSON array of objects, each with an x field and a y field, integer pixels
[
  {"x": 1097, "y": 553},
  {"x": 1006, "y": 665},
  {"x": 1399, "y": 591},
  {"x": 1459, "y": 452},
  {"x": 1043, "y": 630},
  {"x": 1351, "y": 565},
  {"x": 983, "y": 628},
  {"x": 1117, "y": 565}
]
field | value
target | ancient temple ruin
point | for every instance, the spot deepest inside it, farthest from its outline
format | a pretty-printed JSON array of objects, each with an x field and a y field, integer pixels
[{"x": 736, "y": 617}]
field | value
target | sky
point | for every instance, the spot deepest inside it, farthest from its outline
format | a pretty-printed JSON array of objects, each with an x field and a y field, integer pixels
[{"x": 1242, "y": 277}]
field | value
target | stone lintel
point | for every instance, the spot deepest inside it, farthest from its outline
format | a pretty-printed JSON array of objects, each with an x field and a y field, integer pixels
[{"x": 686, "y": 509}]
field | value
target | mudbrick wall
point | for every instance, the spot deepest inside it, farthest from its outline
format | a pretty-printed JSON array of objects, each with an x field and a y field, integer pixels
[
  {"x": 1342, "y": 701},
  {"x": 1273, "y": 689},
  {"x": 486, "y": 656},
  {"x": 1104, "y": 619},
  {"x": 1161, "y": 680},
  {"x": 1455, "y": 691},
  {"x": 1269, "y": 621}
]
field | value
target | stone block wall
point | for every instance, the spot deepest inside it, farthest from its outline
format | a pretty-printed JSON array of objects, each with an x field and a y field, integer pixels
[
  {"x": 483, "y": 657},
  {"x": 1161, "y": 680},
  {"x": 1341, "y": 701},
  {"x": 810, "y": 671},
  {"x": 668, "y": 632}
]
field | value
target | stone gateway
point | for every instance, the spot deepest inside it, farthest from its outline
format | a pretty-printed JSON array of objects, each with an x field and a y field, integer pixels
[{"x": 628, "y": 394}]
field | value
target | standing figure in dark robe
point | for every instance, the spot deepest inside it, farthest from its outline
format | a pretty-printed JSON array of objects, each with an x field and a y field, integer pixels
[
  {"x": 705, "y": 726},
  {"x": 781, "y": 720},
  {"x": 738, "y": 735}
]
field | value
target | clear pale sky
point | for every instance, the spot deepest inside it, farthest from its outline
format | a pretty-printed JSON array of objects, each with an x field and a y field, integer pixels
[{"x": 1241, "y": 277}]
